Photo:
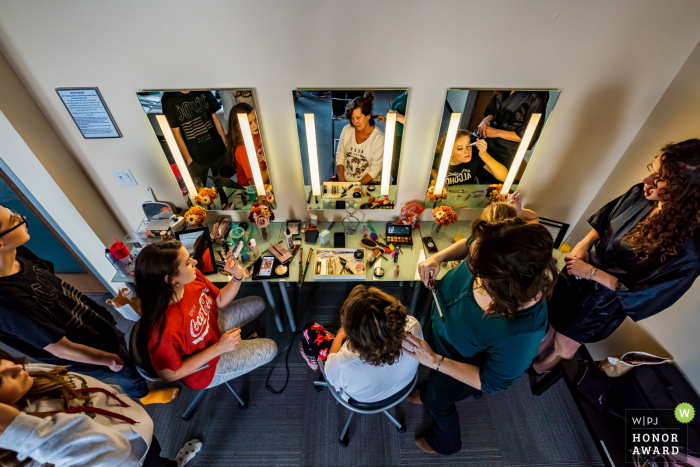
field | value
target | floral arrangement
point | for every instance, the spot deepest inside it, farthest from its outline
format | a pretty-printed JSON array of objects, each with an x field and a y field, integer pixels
[
  {"x": 206, "y": 196},
  {"x": 493, "y": 193},
  {"x": 444, "y": 215},
  {"x": 261, "y": 215},
  {"x": 267, "y": 198},
  {"x": 431, "y": 192},
  {"x": 409, "y": 214},
  {"x": 196, "y": 216}
]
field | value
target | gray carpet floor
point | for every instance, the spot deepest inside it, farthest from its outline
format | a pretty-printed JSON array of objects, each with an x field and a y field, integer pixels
[{"x": 300, "y": 427}]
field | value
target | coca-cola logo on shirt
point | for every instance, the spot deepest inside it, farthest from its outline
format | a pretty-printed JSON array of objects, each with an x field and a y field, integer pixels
[{"x": 199, "y": 326}]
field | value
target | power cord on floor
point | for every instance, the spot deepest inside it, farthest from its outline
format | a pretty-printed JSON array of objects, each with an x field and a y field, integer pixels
[{"x": 288, "y": 348}]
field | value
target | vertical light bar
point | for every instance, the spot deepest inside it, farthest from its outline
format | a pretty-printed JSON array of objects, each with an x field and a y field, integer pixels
[
  {"x": 177, "y": 155},
  {"x": 390, "y": 129},
  {"x": 524, "y": 143},
  {"x": 447, "y": 152},
  {"x": 252, "y": 154},
  {"x": 312, "y": 151}
]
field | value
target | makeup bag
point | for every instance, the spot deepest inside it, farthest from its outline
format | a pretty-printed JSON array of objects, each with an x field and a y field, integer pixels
[
  {"x": 220, "y": 229},
  {"x": 619, "y": 365}
]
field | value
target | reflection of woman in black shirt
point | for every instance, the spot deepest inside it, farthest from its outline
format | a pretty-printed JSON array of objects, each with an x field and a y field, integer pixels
[
  {"x": 641, "y": 255},
  {"x": 468, "y": 164},
  {"x": 506, "y": 119}
]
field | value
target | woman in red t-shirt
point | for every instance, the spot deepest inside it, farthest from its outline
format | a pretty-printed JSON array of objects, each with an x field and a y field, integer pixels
[
  {"x": 236, "y": 154},
  {"x": 191, "y": 329}
]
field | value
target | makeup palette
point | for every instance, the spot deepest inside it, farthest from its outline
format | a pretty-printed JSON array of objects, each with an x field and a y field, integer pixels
[{"x": 399, "y": 234}]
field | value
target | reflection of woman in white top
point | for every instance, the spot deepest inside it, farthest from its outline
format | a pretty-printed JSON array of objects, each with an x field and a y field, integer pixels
[
  {"x": 364, "y": 360},
  {"x": 361, "y": 147}
]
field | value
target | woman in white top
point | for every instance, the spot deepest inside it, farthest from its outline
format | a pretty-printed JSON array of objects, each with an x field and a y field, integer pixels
[
  {"x": 50, "y": 416},
  {"x": 361, "y": 147},
  {"x": 364, "y": 360}
]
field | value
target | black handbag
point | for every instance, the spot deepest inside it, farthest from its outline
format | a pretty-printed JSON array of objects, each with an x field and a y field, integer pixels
[{"x": 593, "y": 384}]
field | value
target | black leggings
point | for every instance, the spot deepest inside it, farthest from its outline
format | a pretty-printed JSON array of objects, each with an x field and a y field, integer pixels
[{"x": 153, "y": 458}]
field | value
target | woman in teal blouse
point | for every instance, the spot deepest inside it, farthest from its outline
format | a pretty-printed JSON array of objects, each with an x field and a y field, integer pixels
[{"x": 495, "y": 317}]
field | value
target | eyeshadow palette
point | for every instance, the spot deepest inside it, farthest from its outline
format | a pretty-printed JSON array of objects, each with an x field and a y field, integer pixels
[{"x": 399, "y": 234}]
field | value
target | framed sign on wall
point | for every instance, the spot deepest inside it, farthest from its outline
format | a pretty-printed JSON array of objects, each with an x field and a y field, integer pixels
[{"x": 89, "y": 112}]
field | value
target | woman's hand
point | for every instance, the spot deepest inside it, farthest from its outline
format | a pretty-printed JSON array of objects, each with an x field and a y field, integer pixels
[
  {"x": 580, "y": 251},
  {"x": 515, "y": 200},
  {"x": 233, "y": 267},
  {"x": 576, "y": 266},
  {"x": 115, "y": 363},
  {"x": 426, "y": 266},
  {"x": 482, "y": 146},
  {"x": 491, "y": 133},
  {"x": 485, "y": 123},
  {"x": 419, "y": 350},
  {"x": 382, "y": 118},
  {"x": 229, "y": 340}
]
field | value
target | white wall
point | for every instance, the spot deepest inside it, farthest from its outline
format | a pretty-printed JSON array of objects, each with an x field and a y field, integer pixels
[
  {"x": 612, "y": 60},
  {"x": 675, "y": 118},
  {"x": 26, "y": 166}
]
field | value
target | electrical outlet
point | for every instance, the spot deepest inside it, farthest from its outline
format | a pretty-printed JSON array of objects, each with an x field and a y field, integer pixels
[{"x": 124, "y": 177}]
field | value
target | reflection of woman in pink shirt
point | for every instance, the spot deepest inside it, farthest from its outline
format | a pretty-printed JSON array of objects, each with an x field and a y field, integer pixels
[{"x": 236, "y": 154}]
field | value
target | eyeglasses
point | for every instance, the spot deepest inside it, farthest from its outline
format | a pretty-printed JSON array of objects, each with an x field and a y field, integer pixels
[
  {"x": 21, "y": 219},
  {"x": 650, "y": 167}
]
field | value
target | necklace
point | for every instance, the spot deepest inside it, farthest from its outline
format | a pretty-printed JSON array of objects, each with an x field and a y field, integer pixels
[{"x": 479, "y": 287}]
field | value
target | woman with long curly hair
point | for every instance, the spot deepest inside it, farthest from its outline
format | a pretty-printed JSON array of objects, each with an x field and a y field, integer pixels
[
  {"x": 639, "y": 258},
  {"x": 49, "y": 415},
  {"x": 364, "y": 359}
]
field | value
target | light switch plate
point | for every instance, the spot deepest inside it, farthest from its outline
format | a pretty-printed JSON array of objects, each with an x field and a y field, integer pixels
[{"x": 124, "y": 177}]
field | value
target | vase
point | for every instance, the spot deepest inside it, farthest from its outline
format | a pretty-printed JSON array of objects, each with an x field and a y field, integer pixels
[
  {"x": 262, "y": 232},
  {"x": 437, "y": 231}
]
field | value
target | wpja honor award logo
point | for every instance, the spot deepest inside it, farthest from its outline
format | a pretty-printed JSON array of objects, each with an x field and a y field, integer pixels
[{"x": 658, "y": 432}]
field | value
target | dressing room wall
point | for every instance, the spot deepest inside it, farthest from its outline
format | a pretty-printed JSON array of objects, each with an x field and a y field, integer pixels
[
  {"x": 675, "y": 118},
  {"x": 612, "y": 61}
]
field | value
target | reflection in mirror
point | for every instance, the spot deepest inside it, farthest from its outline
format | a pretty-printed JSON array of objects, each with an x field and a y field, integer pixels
[
  {"x": 489, "y": 137},
  {"x": 213, "y": 145},
  {"x": 350, "y": 145},
  {"x": 198, "y": 244}
]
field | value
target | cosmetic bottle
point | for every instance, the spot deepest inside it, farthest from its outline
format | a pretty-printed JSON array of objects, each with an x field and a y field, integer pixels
[
  {"x": 254, "y": 247},
  {"x": 288, "y": 237}
]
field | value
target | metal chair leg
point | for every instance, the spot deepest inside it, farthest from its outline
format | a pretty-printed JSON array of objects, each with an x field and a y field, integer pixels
[
  {"x": 189, "y": 411},
  {"x": 344, "y": 438},
  {"x": 400, "y": 427},
  {"x": 241, "y": 403}
]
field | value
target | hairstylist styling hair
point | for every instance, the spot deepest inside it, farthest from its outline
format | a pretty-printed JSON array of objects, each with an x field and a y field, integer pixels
[
  {"x": 191, "y": 329},
  {"x": 360, "y": 152},
  {"x": 49, "y": 321},
  {"x": 495, "y": 317},
  {"x": 640, "y": 257},
  {"x": 236, "y": 155},
  {"x": 50, "y": 416}
]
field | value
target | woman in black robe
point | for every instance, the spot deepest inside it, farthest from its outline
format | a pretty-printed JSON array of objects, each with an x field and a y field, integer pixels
[
  {"x": 506, "y": 118},
  {"x": 641, "y": 256}
]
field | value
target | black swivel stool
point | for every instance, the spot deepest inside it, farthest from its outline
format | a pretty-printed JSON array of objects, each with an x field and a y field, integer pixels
[
  {"x": 382, "y": 406},
  {"x": 142, "y": 362}
]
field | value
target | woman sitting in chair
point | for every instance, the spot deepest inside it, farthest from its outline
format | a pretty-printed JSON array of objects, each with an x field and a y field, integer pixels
[
  {"x": 190, "y": 327},
  {"x": 364, "y": 359}
]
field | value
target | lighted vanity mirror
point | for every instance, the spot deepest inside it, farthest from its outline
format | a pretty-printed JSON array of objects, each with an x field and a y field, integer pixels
[
  {"x": 350, "y": 145},
  {"x": 490, "y": 137},
  {"x": 212, "y": 142}
]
